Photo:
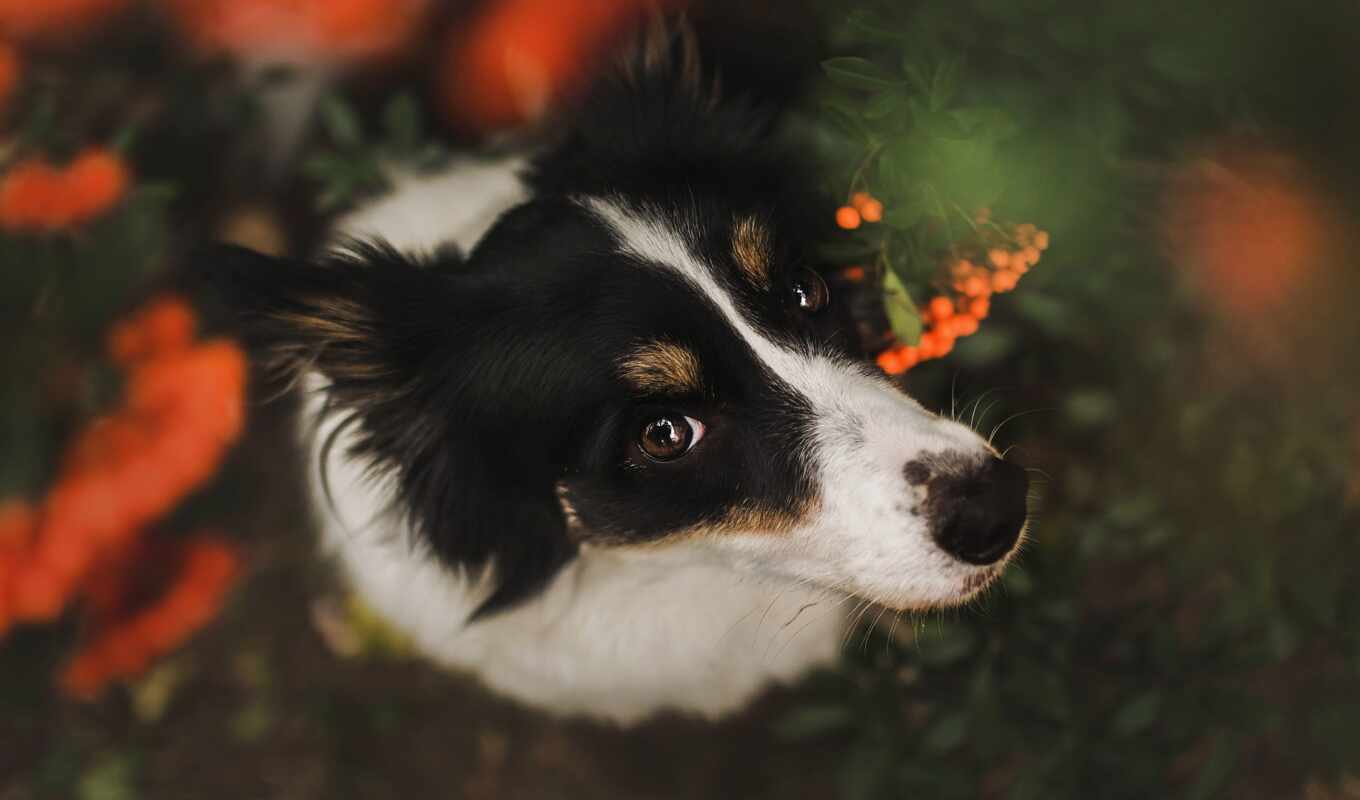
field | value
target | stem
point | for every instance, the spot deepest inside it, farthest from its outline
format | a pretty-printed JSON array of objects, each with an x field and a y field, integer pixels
[{"x": 858, "y": 174}]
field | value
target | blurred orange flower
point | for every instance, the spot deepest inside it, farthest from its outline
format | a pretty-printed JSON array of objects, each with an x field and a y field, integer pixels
[
  {"x": 183, "y": 407},
  {"x": 51, "y": 19},
  {"x": 9, "y": 73},
  {"x": 36, "y": 196},
  {"x": 521, "y": 54},
  {"x": 1247, "y": 228},
  {"x": 208, "y": 567},
  {"x": 301, "y": 30}
]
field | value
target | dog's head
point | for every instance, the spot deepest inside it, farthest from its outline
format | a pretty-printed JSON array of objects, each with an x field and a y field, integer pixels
[{"x": 641, "y": 355}]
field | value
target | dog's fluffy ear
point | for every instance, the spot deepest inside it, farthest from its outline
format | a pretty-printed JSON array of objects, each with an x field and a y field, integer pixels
[{"x": 402, "y": 344}]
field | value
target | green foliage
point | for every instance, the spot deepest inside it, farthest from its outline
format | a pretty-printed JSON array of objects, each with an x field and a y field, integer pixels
[
  {"x": 352, "y": 168},
  {"x": 111, "y": 777},
  {"x": 1180, "y": 626}
]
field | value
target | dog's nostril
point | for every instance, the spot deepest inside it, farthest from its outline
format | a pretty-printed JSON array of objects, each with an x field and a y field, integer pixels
[{"x": 978, "y": 518}]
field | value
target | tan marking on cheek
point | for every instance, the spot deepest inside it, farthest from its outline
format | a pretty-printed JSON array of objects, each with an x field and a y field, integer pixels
[
  {"x": 662, "y": 368},
  {"x": 761, "y": 518},
  {"x": 753, "y": 519},
  {"x": 751, "y": 249}
]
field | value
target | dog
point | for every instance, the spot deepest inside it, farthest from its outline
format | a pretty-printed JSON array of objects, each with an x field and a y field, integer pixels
[{"x": 581, "y": 423}]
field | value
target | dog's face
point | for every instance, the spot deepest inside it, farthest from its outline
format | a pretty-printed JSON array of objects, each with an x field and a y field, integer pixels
[
  {"x": 706, "y": 401},
  {"x": 641, "y": 355}
]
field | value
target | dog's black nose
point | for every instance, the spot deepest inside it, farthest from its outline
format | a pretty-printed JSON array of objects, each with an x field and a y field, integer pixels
[{"x": 978, "y": 516}]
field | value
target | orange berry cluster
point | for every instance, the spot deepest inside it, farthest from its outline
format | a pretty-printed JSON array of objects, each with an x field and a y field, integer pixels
[
  {"x": 36, "y": 196},
  {"x": 208, "y": 567},
  {"x": 952, "y": 316},
  {"x": 183, "y": 407},
  {"x": 863, "y": 207}
]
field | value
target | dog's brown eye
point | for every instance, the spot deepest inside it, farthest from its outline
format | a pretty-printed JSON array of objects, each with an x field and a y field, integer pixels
[
  {"x": 808, "y": 290},
  {"x": 670, "y": 436}
]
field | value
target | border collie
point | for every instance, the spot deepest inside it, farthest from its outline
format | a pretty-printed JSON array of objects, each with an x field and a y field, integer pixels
[{"x": 581, "y": 425}]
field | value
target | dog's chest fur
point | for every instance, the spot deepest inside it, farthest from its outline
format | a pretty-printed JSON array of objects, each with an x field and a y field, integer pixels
[{"x": 620, "y": 633}]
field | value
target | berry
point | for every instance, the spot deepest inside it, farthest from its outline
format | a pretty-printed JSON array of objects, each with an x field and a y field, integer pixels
[
  {"x": 976, "y": 286},
  {"x": 871, "y": 211},
  {"x": 847, "y": 217}
]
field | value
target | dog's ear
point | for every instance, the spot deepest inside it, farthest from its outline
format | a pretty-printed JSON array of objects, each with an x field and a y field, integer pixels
[{"x": 407, "y": 350}]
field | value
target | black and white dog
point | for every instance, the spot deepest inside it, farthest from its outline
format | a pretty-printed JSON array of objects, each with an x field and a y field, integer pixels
[{"x": 580, "y": 425}]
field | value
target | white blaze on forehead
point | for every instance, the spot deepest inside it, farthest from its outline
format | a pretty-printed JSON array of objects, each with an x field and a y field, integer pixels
[{"x": 643, "y": 232}]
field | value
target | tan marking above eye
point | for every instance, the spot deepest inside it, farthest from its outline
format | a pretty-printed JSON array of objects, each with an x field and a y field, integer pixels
[
  {"x": 751, "y": 249},
  {"x": 662, "y": 368}
]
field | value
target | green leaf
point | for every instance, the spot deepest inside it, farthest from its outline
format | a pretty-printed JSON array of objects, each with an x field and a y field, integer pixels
[
  {"x": 907, "y": 215},
  {"x": 915, "y": 76},
  {"x": 110, "y": 778},
  {"x": 901, "y": 310},
  {"x": 812, "y": 721},
  {"x": 1138, "y": 714},
  {"x": 859, "y": 73},
  {"x": 944, "y": 83},
  {"x": 843, "y": 120},
  {"x": 883, "y": 104},
  {"x": 341, "y": 123},
  {"x": 942, "y": 125}
]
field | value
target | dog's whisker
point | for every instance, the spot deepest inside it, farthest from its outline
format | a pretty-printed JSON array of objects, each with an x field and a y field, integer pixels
[
  {"x": 756, "y": 634},
  {"x": 870, "y": 628},
  {"x": 953, "y": 397},
  {"x": 813, "y": 604},
  {"x": 977, "y": 403},
  {"x": 1014, "y": 416}
]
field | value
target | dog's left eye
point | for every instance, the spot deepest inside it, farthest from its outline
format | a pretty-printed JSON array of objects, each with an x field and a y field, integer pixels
[
  {"x": 669, "y": 436},
  {"x": 808, "y": 291}
]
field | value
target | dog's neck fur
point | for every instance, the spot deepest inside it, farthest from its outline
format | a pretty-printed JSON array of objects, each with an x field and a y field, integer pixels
[{"x": 619, "y": 633}]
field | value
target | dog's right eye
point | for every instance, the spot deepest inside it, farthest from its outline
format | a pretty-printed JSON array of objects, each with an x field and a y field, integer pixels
[
  {"x": 669, "y": 436},
  {"x": 808, "y": 291}
]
